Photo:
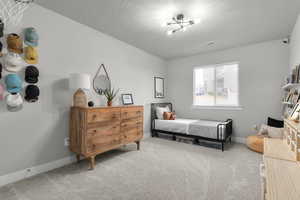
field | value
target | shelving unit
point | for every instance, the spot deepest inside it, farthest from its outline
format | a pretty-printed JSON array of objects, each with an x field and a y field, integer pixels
[
  {"x": 292, "y": 135},
  {"x": 287, "y": 103},
  {"x": 288, "y": 100},
  {"x": 290, "y": 86},
  {"x": 277, "y": 148},
  {"x": 280, "y": 171}
]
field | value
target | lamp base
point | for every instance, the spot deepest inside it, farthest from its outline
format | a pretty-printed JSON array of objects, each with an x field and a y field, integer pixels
[{"x": 80, "y": 99}]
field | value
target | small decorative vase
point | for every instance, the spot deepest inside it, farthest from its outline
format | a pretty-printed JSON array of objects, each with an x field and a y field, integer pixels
[{"x": 109, "y": 103}]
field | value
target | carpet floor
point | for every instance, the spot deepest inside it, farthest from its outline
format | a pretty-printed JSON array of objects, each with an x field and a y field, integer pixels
[{"x": 161, "y": 170}]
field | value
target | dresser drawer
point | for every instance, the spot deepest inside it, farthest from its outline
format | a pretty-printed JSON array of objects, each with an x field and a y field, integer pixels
[
  {"x": 103, "y": 115},
  {"x": 102, "y": 143},
  {"x": 132, "y": 131},
  {"x": 131, "y": 113},
  {"x": 131, "y": 124},
  {"x": 132, "y": 136},
  {"x": 110, "y": 129}
]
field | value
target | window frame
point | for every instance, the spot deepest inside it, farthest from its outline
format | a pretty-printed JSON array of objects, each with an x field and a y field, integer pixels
[{"x": 217, "y": 106}]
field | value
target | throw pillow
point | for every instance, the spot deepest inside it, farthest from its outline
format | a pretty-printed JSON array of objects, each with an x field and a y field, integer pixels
[
  {"x": 167, "y": 115},
  {"x": 275, "y": 123},
  {"x": 275, "y": 132},
  {"x": 160, "y": 111},
  {"x": 263, "y": 130},
  {"x": 271, "y": 132},
  {"x": 173, "y": 116}
]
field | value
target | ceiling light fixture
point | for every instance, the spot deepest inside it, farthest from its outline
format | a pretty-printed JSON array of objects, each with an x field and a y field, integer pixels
[{"x": 178, "y": 23}]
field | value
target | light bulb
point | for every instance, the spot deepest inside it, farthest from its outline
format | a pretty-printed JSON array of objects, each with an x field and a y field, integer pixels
[
  {"x": 170, "y": 32},
  {"x": 184, "y": 29},
  {"x": 164, "y": 24},
  {"x": 197, "y": 21}
]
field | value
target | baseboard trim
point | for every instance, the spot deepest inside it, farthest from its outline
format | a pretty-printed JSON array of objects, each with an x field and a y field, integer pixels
[
  {"x": 147, "y": 135},
  {"x": 32, "y": 171}
]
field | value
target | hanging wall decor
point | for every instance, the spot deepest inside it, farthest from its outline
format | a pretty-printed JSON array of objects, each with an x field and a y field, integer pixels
[
  {"x": 1, "y": 47},
  {"x": 101, "y": 82},
  {"x": 159, "y": 87},
  {"x": 15, "y": 53},
  {"x": 11, "y": 11},
  {"x": 32, "y": 93},
  {"x": 1, "y": 28}
]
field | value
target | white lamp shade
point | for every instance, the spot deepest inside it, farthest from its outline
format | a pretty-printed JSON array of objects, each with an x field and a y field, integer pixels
[{"x": 79, "y": 81}]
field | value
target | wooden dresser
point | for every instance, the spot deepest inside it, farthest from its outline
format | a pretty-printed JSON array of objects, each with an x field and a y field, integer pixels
[
  {"x": 281, "y": 168},
  {"x": 97, "y": 130}
]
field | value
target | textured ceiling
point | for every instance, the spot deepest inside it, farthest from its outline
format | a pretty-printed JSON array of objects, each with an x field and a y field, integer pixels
[{"x": 229, "y": 23}]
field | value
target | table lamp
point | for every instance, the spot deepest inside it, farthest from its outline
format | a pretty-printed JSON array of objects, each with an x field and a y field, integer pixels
[{"x": 80, "y": 83}]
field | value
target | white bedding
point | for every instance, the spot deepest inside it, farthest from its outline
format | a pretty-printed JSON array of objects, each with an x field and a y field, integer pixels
[
  {"x": 202, "y": 128},
  {"x": 206, "y": 129},
  {"x": 178, "y": 125}
]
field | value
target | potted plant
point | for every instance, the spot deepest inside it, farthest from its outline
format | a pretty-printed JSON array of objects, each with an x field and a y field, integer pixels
[{"x": 110, "y": 94}]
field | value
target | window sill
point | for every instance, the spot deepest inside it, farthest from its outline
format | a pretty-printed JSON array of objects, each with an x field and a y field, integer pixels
[{"x": 217, "y": 107}]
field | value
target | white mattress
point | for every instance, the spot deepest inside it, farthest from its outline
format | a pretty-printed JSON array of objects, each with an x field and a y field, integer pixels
[
  {"x": 178, "y": 125},
  {"x": 204, "y": 128}
]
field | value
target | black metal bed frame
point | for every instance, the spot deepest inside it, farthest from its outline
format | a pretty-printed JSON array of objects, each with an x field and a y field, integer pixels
[{"x": 221, "y": 140}]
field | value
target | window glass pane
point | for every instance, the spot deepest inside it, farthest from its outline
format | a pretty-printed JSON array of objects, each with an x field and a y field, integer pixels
[
  {"x": 227, "y": 85},
  {"x": 204, "y": 84}
]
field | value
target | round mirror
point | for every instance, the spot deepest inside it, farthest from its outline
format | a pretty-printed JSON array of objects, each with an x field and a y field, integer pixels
[{"x": 101, "y": 82}]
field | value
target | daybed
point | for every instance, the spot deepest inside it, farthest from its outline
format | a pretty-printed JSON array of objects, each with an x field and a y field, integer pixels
[{"x": 215, "y": 131}]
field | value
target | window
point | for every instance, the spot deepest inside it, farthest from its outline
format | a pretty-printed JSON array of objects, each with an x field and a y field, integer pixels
[{"x": 217, "y": 85}]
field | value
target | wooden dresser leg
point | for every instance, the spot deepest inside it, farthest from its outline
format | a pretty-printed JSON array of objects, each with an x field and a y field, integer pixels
[
  {"x": 138, "y": 145},
  {"x": 78, "y": 158},
  {"x": 92, "y": 163}
]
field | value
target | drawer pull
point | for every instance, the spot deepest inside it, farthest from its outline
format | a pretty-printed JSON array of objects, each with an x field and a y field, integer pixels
[
  {"x": 95, "y": 131},
  {"x": 94, "y": 116}
]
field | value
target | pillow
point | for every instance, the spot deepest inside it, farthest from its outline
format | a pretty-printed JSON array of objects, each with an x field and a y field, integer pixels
[
  {"x": 275, "y": 123},
  {"x": 160, "y": 111},
  {"x": 271, "y": 131},
  {"x": 167, "y": 115},
  {"x": 263, "y": 130},
  {"x": 275, "y": 132},
  {"x": 173, "y": 116}
]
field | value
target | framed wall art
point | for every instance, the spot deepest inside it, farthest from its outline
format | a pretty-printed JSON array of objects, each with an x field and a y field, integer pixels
[
  {"x": 159, "y": 91},
  {"x": 127, "y": 99}
]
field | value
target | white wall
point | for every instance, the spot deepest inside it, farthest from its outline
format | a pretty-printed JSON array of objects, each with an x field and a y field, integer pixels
[
  {"x": 263, "y": 68},
  {"x": 36, "y": 134},
  {"x": 295, "y": 45}
]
